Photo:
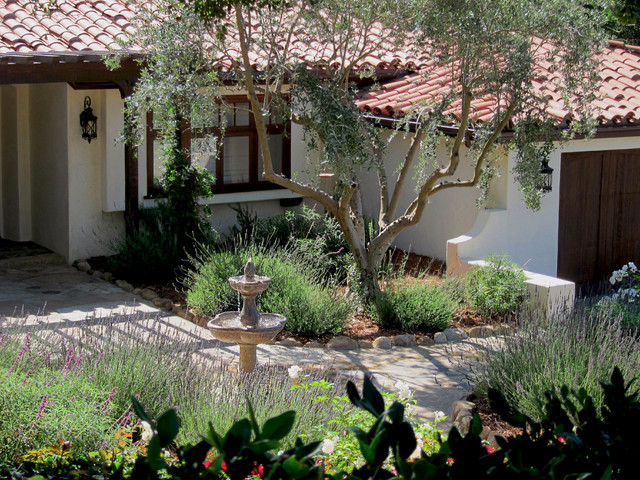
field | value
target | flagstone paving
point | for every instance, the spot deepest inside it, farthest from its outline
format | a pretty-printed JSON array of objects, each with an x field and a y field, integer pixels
[{"x": 65, "y": 301}]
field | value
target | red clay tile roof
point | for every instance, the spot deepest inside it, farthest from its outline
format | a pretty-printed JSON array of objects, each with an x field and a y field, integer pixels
[
  {"x": 79, "y": 25},
  {"x": 84, "y": 26},
  {"x": 619, "y": 102}
]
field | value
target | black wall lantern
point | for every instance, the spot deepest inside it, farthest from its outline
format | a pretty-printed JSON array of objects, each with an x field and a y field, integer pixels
[
  {"x": 547, "y": 176},
  {"x": 88, "y": 121}
]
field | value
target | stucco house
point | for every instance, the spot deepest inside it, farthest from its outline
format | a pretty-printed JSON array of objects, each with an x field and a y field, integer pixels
[{"x": 70, "y": 195}]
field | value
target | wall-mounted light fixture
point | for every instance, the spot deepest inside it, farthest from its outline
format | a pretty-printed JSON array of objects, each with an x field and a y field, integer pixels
[
  {"x": 88, "y": 121},
  {"x": 547, "y": 176}
]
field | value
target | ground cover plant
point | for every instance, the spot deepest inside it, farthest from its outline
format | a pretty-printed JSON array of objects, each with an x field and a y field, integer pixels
[
  {"x": 575, "y": 348},
  {"x": 79, "y": 387},
  {"x": 310, "y": 302}
]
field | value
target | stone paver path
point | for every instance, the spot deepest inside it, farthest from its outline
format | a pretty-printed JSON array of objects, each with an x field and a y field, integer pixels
[{"x": 69, "y": 303}]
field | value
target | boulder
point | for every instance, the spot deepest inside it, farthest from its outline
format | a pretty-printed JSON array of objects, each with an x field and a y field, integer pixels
[
  {"x": 405, "y": 340},
  {"x": 83, "y": 266},
  {"x": 313, "y": 344},
  {"x": 440, "y": 337},
  {"x": 383, "y": 343},
  {"x": 426, "y": 341},
  {"x": 365, "y": 343},
  {"x": 480, "y": 332},
  {"x": 148, "y": 294},
  {"x": 455, "y": 334},
  {"x": 124, "y": 285},
  {"x": 343, "y": 343}
]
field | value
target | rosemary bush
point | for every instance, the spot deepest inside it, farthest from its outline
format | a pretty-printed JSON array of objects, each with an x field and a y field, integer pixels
[{"x": 297, "y": 291}]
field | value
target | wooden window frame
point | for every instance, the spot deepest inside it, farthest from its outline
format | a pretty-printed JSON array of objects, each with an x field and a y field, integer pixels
[{"x": 187, "y": 134}]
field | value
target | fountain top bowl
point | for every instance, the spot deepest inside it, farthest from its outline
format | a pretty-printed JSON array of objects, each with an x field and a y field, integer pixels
[
  {"x": 249, "y": 283},
  {"x": 226, "y": 327}
]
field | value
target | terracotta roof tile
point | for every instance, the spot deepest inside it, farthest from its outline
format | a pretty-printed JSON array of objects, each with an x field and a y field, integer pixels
[{"x": 619, "y": 91}]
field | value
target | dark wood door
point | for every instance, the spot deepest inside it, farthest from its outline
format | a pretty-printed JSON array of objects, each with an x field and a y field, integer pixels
[{"x": 599, "y": 221}]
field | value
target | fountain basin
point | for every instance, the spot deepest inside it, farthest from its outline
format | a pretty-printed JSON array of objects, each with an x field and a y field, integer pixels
[
  {"x": 226, "y": 327},
  {"x": 249, "y": 286}
]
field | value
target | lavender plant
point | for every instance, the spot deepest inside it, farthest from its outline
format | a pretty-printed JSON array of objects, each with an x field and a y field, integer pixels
[{"x": 578, "y": 350}]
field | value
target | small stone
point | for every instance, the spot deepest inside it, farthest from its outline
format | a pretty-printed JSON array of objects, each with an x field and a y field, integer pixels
[
  {"x": 365, "y": 343},
  {"x": 405, "y": 340},
  {"x": 189, "y": 316},
  {"x": 463, "y": 423},
  {"x": 137, "y": 291},
  {"x": 480, "y": 332},
  {"x": 160, "y": 302},
  {"x": 124, "y": 285},
  {"x": 83, "y": 266},
  {"x": 384, "y": 343},
  {"x": 179, "y": 311},
  {"x": 462, "y": 407},
  {"x": 97, "y": 274},
  {"x": 289, "y": 342},
  {"x": 440, "y": 337},
  {"x": 313, "y": 344},
  {"x": 108, "y": 276},
  {"x": 196, "y": 319},
  {"x": 148, "y": 294},
  {"x": 426, "y": 341},
  {"x": 491, "y": 438},
  {"x": 484, "y": 434},
  {"x": 455, "y": 334},
  {"x": 343, "y": 343}
]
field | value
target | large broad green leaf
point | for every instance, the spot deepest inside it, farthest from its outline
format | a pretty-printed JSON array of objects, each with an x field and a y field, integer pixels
[
  {"x": 277, "y": 428},
  {"x": 167, "y": 425}
]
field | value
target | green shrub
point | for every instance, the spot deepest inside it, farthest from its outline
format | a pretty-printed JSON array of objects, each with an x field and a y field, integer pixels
[
  {"x": 296, "y": 290},
  {"x": 577, "y": 350},
  {"x": 416, "y": 306},
  {"x": 149, "y": 253},
  {"x": 496, "y": 288},
  {"x": 316, "y": 238}
]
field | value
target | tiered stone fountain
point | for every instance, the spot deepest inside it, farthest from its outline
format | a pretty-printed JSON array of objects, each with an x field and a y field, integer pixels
[{"x": 247, "y": 328}]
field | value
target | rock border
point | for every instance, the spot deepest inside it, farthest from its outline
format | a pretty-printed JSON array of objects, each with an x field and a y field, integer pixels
[{"x": 340, "y": 342}]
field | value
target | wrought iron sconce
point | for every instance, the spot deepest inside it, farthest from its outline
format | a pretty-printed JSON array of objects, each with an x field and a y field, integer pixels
[
  {"x": 88, "y": 121},
  {"x": 547, "y": 176}
]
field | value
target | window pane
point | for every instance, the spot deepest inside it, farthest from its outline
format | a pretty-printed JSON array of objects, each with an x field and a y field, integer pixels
[
  {"x": 236, "y": 160},
  {"x": 242, "y": 114},
  {"x": 204, "y": 152},
  {"x": 275, "y": 147},
  {"x": 157, "y": 158}
]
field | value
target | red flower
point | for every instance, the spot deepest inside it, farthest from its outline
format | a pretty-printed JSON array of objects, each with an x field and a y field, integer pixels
[
  {"x": 258, "y": 470},
  {"x": 489, "y": 448},
  {"x": 561, "y": 439},
  {"x": 206, "y": 463}
]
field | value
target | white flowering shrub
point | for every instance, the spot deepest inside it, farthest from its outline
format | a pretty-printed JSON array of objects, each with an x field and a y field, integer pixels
[{"x": 625, "y": 299}]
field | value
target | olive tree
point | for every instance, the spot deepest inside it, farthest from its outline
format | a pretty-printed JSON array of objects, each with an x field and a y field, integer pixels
[{"x": 305, "y": 59}]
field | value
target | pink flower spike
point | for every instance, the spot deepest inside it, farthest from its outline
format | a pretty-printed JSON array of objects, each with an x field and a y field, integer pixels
[{"x": 561, "y": 439}]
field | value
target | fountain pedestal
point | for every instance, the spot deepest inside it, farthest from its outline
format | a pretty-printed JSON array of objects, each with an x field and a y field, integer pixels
[{"x": 248, "y": 328}]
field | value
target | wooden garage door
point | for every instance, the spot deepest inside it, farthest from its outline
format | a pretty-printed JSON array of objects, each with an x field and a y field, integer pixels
[{"x": 599, "y": 224}]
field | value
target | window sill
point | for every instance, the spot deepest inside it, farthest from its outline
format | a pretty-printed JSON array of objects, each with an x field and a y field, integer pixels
[{"x": 242, "y": 197}]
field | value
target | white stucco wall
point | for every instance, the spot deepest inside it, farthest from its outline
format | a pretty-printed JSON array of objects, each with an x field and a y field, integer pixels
[
  {"x": 448, "y": 214},
  {"x": 91, "y": 229},
  {"x": 49, "y": 168},
  {"x": 531, "y": 238}
]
